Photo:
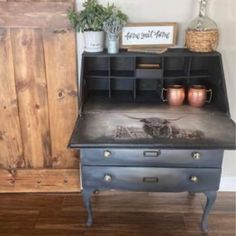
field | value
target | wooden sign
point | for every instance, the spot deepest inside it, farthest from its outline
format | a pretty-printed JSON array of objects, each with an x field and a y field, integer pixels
[{"x": 149, "y": 35}]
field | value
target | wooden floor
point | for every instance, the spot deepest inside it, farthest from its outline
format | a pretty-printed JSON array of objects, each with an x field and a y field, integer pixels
[{"x": 123, "y": 214}]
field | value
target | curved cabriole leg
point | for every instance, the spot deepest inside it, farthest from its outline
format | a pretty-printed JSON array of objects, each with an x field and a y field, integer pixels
[
  {"x": 211, "y": 197},
  {"x": 87, "y": 203}
]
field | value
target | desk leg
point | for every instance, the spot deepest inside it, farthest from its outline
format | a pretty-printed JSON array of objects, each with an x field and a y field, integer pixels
[
  {"x": 87, "y": 203},
  {"x": 211, "y": 197}
]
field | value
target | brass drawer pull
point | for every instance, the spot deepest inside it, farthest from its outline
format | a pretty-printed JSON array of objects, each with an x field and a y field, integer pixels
[
  {"x": 107, "y": 153},
  {"x": 152, "y": 153},
  {"x": 194, "y": 179},
  {"x": 196, "y": 155},
  {"x": 107, "y": 178},
  {"x": 150, "y": 180}
]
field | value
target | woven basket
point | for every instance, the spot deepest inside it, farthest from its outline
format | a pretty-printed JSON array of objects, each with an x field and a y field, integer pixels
[{"x": 202, "y": 41}]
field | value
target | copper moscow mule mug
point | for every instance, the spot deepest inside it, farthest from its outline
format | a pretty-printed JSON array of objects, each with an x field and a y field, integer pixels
[
  {"x": 175, "y": 95},
  {"x": 197, "y": 95}
]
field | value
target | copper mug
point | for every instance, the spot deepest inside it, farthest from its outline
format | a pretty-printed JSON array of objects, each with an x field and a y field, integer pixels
[
  {"x": 197, "y": 95},
  {"x": 175, "y": 95}
]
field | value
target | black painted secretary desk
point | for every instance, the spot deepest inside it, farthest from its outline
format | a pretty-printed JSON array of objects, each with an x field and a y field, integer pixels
[{"x": 130, "y": 140}]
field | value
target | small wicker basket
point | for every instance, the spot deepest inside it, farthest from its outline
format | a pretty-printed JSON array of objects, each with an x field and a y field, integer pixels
[{"x": 202, "y": 41}]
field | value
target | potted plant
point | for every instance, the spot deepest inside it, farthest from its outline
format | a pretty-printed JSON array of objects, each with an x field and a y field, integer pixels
[
  {"x": 90, "y": 22},
  {"x": 113, "y": 24}
]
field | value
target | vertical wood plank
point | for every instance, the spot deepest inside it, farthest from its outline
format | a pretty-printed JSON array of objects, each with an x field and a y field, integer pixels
[
  {"x": 11, "y": 152},
  {"x": 31, "y": 89},
  {"x": 60, "y": 58}
]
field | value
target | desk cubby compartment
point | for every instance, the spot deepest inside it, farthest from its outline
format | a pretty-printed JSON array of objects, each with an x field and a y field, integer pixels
[
  {"x": 122, "y": 84},
  {"x": 122, "y": 67},
  {"x": 148, "y": 90},
  {"x": 202, "y": 66},
  {"x": 176, "y": 81},
  {"x": 149, "y": 68},
  {"x": 176, "y": 67},
  {"x": 96, "y": 67},
  {"x": 201, "y": 81},
  {"x": 120, "y": 87},
  {"x": 98, "y": 84}
]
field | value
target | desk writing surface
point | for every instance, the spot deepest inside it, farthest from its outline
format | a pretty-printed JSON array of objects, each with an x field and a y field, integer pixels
[{"x": 160, "y": 126}]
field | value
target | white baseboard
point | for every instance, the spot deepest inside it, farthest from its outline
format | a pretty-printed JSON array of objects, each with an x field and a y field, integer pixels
[{"x": 228, "y": 184}]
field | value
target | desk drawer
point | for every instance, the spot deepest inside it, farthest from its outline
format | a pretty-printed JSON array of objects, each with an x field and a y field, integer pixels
[
  {"x": 151, "y": 179},
  {"x": 151, "y": 157}
]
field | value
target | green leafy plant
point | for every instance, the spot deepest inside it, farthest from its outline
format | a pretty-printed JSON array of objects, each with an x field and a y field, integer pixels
[
  {"x": 115, "y": 19},
  {"x": 91, "y": 18}
]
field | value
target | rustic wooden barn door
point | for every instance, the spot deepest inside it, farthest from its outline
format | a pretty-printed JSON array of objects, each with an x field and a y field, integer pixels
[{"x": 38, "y": 102}]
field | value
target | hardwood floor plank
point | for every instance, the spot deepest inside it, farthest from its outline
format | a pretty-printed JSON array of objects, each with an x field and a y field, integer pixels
[
  {"x": 209, "y": 234},
  {"x": 161, "y": 202},
  {"x": 139, "y": 233},
  {"x": 115, "y": 214},
  {"x": 38, "y": 232},
  {"x": 225, "y": 202},
  {"x": 30, "y": 201},
  {"x": 17, "y": 222},
  {"x": 219, "y": 223}
]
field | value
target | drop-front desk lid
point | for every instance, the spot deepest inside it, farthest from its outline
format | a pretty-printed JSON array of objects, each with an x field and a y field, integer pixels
[{"x": 128, "y": 125}]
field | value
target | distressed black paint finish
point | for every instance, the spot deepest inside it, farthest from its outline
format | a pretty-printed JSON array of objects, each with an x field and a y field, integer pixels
[
  {"x": 152, "y": 157},
  {"x": 130, "y": 140},
  {"x": 169, "y": 179},
  {"x": 211, "y": 197},
  {"x": 195, "y": 131},
  {"x": 87, "y": 192}
]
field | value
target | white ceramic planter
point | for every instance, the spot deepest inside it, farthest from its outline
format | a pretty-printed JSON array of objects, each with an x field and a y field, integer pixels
[{"x": 93, "y": 41}]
